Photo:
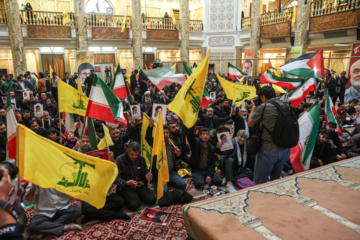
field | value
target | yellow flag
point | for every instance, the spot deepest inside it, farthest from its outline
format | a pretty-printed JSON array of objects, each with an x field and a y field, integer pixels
[
  {"x": 71, "y": 100},
  {"x": 73, "y": 173},
  {"x": 159, "y": 150},
  {"x": 106, "y": 140},
  {"x": 148, "y": 21},
  {"x": 123, "y": 24},
  {"x": 174, "y": 66},
  {"x": 173, "y": 18},
  {"x": 278, "y": 73},
  {"x": 187, "y": 102},
  {"x": 65, "y": 18},
  {"x": 128, "y": 78},
  {"x": 146, "y": 67},
  {"x": 146, "y": 149},
  {"x": 276, "y": 88},
  {"x": 237, "y": 92},
  {"x": 293, "y": 19}
]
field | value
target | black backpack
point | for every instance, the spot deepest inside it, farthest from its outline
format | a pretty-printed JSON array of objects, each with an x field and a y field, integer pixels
[{"x": 286, "y": 130}]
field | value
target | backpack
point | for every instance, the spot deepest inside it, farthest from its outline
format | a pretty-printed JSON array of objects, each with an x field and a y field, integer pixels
[{"x": 286, "y": 130}]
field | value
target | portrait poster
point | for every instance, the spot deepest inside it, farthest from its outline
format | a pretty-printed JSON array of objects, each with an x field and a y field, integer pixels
[
  {"x": 155, "y": 216},
  {"x": 293, "y": 52},
  {"x": 84, "y": 64},
  {"x": 213, "y": 191},
  {"x": 26, "y": 95},
  {"x": 213, "y": 96},
  {"x": 249, "y": 55},
  {"x": 225, "y": 139},
  {"x": 38, "y": 109},
  {"x": 135, "y": 111},
  {"x": 155, "y": 111},
  {"x": 103, "y": 154},
  {"x": 197, "y": 130},
  {"x": 353, "y": 85},
  {"x": 3, "y": 98}
]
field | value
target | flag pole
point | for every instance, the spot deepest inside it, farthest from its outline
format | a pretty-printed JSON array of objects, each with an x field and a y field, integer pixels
[{"x": 60, "y": 120}]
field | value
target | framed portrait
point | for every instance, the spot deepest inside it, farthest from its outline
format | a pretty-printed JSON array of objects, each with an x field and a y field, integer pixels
[
  {"x": 38, "y": 109},
  {"x": 225, "y": 139},
  {"x": 135, "y": 111},
  {"x": 155, "y": 111}
]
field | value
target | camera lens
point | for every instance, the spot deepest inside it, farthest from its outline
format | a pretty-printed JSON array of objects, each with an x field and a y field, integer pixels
[{"x": 13, "y": 170}]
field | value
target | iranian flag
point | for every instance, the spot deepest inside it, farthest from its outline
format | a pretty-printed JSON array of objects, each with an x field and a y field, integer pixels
[
  {"x": 308, "y": 125},
  {"x": 289, "y": 83},
  {"x": 298, "y": 95},
  {"x": 206, "y": 100},
  {"x": 138, "y": 74},
  {"x": 164, "y": 76},
  {"x": 234, "y": 71},
  {"x": 330, "y": 113},
  {"x": 103, "y": 103},
  {"x": 310, "y": 65},
  {"x": 69, "y": 123},
  {"x": 10, "y": 130},
  {"x": 118, "y": 85},
  {"x": 90, "y": 132},
  {"x": 271, "y": 66}
]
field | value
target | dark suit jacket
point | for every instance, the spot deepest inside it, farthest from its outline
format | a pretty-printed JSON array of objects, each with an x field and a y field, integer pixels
[
  {"x": 18, "y": 89},
  {"x": 205, "y": 120},
  {"x": 71, "y": 82}
]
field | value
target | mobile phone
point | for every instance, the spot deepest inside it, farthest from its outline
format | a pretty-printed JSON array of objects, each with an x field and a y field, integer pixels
[{"x": 141, "y": 183}]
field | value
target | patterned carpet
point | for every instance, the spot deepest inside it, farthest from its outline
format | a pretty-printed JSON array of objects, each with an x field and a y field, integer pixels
[{"x": 134, "y": 229}]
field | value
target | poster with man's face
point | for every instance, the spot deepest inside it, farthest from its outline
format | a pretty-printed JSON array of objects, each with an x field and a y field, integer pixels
[
  {"x": 353, "y": 86},
  {"x": 155, "y": 111},
  {"x": 135, "y": 111},
  {"x": 248, "y": 64},
  {"x": 26, "y": 95},
  {"x": 38, "y": 109},
  {"x": 84, "y": 64},
  {"x": 224, "y": 139}
]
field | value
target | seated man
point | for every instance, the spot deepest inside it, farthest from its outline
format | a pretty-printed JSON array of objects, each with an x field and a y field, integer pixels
[
  {"x": 203, "y": 158},
  {"x": 234, "y": 158},
  {"x": 323, "y": 152},
  {"x": 133, "y": 175},
  {"x": 53, "y": 135},
  {"x": 53, "y": 212},
  {"x": 173, "y": 156},
  {"x": 83, "y": 145}
]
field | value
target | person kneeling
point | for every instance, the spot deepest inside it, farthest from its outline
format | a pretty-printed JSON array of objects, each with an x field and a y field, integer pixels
[{"x": 133, "y": 175}]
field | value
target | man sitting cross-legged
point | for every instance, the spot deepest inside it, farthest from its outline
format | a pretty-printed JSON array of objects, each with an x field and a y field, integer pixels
[{"x": 133, "y": 175}]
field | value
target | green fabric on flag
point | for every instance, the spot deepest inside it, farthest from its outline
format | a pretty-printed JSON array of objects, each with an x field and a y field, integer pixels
[
  {"x": 118, "y": 71},
  {"x": 91, "y": 132},
  {"x": 187, "y": 69}
]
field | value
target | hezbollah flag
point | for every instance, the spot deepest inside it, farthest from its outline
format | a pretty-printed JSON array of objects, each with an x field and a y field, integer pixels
[
  {"x": 146, "y": 149},
  {"x": 71, "y": 100},
  {"x": 106, "y": 140},
  {"x": 159, "y": 150},
  {"x": 237, "y": 92},
  {"x": 75, "y": 174},
  {"x": 187, "y": 102}
]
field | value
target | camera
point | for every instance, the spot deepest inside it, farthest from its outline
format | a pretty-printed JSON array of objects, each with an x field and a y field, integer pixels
[
  {"x": 256, "y": 100},
  {"x": 13, "y": 170}
]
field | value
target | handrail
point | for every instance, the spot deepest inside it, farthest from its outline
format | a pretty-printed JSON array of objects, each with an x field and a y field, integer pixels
[
  {"x": 275, "y": 17},
  {"x": 246, "y": 23},
  {"x": 44, "y": 18},
  {"x": 324, "y": 7}
]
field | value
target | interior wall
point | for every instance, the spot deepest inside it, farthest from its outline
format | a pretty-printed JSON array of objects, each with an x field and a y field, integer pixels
[
  {"x": 50, "y": 5},
  {"x": 6, "y": 59},
  {"x": 124, "y": 57},
  {"x": 31, "y": 60}
]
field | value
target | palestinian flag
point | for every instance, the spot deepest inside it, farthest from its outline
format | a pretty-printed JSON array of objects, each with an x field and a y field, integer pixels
[
  {"x": 330, "y": 113},
  {"x": 271, "y": 66},
  {"x": 194, "y": 67},
  {"x": 188, "y": 71},
  {"x": 310, "y": 65},
  {"x": 289, "y": 83},
  {"x": 11, "y": 125},
  {"x": 234, "y": 71},
  {"x": 308, "y": 125},
  {"x": 103, "y": 103},
  {"x": 206, "y": 100},
  {"x": 164, "y": 76},
  {"x": 118, "y": 84},
  {"x": 298, "y": 95},
  {"x": 280, "y": 7}
]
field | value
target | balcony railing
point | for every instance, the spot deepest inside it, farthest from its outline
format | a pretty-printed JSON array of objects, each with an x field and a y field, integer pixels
[
  {"x": 196, "y": 25},
  {"x": 44, "y": 18},
  {"x": 2, "y": 16},
  {"x": 160, "y": 23},
  {"x": 103, "y": 20},
  {"x": 274, "y": 17},
  {"x": 323, "y": 7},
  {"x": 246, "y": 23}
]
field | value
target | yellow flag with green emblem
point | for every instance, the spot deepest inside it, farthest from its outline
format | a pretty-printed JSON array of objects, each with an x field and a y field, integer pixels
[
  {"x": 187, "y": 102},
  {"x": 146, "y": 149},
  {"x": 159, "y": 150},
  {"x": 51, "y": 165},
  {"x": 237, "y": 92},
  {"x": 106, "y": 140},
  {"x": 71, "y": 100}
]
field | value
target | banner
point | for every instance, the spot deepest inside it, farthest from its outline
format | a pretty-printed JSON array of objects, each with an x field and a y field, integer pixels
[
  {"x": 353, "y": 86},
  {"x": 293, "y": 52},
  {"x": 84, "y": 64}
]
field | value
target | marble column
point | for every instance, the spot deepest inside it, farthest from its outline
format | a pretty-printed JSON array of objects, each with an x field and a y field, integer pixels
[
  {"x": 301, "y": 26},
  {"x": 255, "y": 32},
  {"x": 80, "y": 26},
  {"x": 203, "y": 52},
  {"x": 238, "y": 56},
  {"x": 185, "y": 31},
  {"x": 15, "y": 36},
  {"x": 136, "y": 33}
]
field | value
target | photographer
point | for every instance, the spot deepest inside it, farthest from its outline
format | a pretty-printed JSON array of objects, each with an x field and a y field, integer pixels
[
  {"x": 9, "y": 227},
  {"x": 271, "y": 158}
]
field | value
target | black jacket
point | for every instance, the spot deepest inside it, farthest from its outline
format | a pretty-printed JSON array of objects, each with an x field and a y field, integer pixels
[
  {"x": 71, "y": 82},
  {"x": 196, "y": 146},
  {"x": 205, "y": 120},
  {"x": 239, "y": 123},
  {"x": 118, "y": 147},
  {"x": 126, "y": 172}
]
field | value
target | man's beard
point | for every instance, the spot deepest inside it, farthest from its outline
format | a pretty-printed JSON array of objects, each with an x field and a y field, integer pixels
[
  {"x": 356, "y": 83},
  {"x": 244, "y": 117}
]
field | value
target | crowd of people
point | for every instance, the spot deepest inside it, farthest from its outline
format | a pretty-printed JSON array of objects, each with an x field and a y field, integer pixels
[{"x": 196, "y": 149}]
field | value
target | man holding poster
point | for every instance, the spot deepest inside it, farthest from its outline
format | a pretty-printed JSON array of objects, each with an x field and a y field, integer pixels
[{"x": 354, "y": 74}]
